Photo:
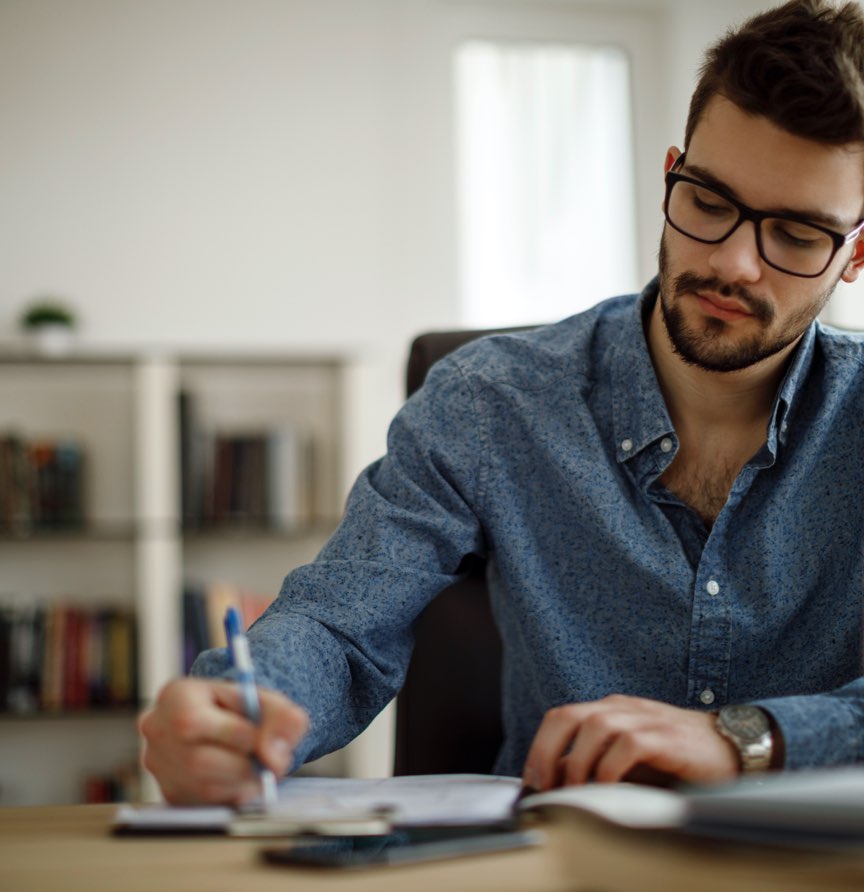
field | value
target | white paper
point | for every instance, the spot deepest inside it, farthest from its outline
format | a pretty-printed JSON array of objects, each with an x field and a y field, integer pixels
[
  {"x": 435, "y": 799},
  {"x": 630, "y": 805},
  {"x": 167, "y": 817},
  {"x": 308, "y": 801}
]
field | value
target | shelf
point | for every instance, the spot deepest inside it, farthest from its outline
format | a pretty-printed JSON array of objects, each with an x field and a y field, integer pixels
[
  {"x": 127, "y": 532},
  {"x": 67, "y": 715},
  {"x": 30, "y": 357},
  {"x": 139, "y": 422},
  {"x": 99, "y": 532},
  {"x": 248, "y": 531}
]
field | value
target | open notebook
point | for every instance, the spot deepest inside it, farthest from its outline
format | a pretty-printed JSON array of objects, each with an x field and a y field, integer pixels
[
  {"x": 817, "y": 807},
  {"x": 341, "y": 806}
]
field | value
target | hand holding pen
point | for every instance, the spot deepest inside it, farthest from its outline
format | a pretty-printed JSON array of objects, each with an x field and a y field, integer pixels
[
  {"x": 197, "y": 739},
  {"x": 238, "y": 646}
]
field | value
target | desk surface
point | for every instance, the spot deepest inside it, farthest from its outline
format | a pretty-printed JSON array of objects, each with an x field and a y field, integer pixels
[{"x": 70, "y": 848}]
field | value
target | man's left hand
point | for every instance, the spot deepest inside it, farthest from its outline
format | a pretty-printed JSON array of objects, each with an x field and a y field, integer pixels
[{"x": 627, "y": 738}]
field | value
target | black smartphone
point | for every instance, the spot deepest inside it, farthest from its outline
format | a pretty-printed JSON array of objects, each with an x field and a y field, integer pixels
[{"x": 400, "y": 847}]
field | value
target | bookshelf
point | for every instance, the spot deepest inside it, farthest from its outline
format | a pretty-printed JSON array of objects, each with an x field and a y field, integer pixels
[{"x": 149, "y": 522}]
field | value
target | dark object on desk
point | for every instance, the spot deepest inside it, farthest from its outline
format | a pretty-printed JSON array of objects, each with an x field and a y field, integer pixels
[
  {"x": 399, "y": 848},
  {"x": 448, "y": 714}
]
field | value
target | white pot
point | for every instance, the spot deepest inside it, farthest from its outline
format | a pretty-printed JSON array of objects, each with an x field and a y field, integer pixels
[{"x": 52, "y": 339}]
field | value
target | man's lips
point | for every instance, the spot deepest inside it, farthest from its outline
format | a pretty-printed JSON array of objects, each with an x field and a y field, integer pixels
[{"x": 721, "y": 307}]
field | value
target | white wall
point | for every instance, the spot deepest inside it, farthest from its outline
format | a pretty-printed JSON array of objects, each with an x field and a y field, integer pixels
[
  {"x": 215, "y": 170},
  {"x": 274, "y": 173}
]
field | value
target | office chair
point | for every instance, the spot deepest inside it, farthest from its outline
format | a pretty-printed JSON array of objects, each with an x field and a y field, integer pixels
[{"x": 448, "y": 714}]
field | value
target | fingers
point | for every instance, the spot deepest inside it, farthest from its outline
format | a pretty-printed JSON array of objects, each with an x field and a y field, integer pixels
[
  {"x": 202, "y": 773},
  {"x": 203, "y": 711},
  {"x": 283, "y": 725},
  {"x": 198, "y": 743},
  {"x": 627, "y": 738},
  {"x": 569, "y": 743}
]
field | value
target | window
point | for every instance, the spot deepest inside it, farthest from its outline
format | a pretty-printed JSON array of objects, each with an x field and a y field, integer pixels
[{"x": 546, "y": 187}]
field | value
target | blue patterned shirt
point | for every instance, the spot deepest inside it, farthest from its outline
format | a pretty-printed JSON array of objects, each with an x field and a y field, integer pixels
[{"x": 542, "y": 451}]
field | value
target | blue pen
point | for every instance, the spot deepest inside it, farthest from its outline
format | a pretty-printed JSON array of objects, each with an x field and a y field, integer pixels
[{"x": 238, "y": 646}]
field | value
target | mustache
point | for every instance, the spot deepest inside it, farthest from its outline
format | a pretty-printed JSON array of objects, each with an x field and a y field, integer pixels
[{"x": 760, "y": 308}]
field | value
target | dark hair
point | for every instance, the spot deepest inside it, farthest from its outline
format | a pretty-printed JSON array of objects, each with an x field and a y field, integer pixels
[{"x": 801, "y": 65}]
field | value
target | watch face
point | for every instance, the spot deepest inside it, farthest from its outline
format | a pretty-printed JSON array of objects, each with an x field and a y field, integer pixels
[{"x": 745, "y": 722}]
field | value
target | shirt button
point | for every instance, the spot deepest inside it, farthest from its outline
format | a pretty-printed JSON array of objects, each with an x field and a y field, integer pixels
[
  {"x": 666, "y": 444},
  {"x": 713, "y": 587},
  {"x": 627, "y": 444},
  {"x": 707, "y": 696}
]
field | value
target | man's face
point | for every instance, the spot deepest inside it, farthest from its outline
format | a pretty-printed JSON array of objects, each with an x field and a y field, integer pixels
[{"x": 725, "y": 308}]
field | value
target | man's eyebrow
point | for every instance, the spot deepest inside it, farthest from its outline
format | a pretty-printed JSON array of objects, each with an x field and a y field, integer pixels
[{"x": 807, "y": 215}]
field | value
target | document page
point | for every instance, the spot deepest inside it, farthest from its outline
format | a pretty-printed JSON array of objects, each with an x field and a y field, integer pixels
[
  {"x": 417, "y": 800},
  {"x": 343, "y": 805}
]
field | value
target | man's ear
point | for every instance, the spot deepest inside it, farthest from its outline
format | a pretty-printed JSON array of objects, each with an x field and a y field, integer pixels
[
  {"x": 856, "y": 261},
  {"x": 673, "y": 153}
]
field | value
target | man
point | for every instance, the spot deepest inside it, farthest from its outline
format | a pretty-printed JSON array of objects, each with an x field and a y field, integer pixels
[{"x": 667, "y": 488}]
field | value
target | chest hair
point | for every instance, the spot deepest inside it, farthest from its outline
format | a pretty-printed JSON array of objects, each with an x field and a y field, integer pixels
[{"x": 703, "y": 486}]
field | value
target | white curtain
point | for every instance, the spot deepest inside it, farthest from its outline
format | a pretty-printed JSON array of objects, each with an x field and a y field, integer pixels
[{"x": 546, "y": 197}]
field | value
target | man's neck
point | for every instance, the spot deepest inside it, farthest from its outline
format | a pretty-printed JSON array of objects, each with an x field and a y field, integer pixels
[
  {"x": 721, "y": 419},
  {"x": 706, "y": 400}
]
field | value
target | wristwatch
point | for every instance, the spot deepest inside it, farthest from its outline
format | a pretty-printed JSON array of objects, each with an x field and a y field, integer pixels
[{"x": 749, "y": 730}]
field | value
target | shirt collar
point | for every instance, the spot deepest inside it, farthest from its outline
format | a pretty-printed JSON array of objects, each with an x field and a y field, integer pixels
[
  {"x": 638, "y": 410},
  {"x": 790, "y": 389}
]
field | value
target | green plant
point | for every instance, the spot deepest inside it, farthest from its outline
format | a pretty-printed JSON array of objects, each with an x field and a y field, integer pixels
[{"x": 47, "y": 313}]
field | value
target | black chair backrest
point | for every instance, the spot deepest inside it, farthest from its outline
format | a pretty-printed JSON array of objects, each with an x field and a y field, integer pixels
[{"x": 448, "y": 714}]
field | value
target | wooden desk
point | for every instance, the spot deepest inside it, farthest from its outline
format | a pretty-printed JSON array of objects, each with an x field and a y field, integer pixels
[{"x": 43, "y": 849}]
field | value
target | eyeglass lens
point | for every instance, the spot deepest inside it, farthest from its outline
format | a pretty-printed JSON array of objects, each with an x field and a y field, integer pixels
[{"x": 789, "y": 245}]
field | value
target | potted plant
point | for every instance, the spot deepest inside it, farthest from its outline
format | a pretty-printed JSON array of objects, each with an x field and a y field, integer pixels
[{"x": 50, "y": 325}]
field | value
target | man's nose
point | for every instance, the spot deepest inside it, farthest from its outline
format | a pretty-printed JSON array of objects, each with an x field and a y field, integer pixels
[{"x": 736, "y": 259}]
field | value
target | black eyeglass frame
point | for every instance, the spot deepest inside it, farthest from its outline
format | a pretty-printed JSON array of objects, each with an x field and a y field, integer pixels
[{"x": 746, "y": 213}]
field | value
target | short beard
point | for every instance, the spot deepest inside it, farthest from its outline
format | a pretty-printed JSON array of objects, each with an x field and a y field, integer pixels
[{"x": 705, "y": 349}]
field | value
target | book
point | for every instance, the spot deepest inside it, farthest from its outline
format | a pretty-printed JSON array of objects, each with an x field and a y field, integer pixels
[
  {"x": 196, "y": 636},
  {"x": 290, "y": 458},
  {"x": 41, "y": 484},
  {"x": 121, "y": 658},
  {"x": 240, "y": 479},
  {"x": 820, "y": 809},
  {"x": 258, "y": 477},
  {"x": 204, "y": 609},
  {"x": 25, "y": 655},
  {"x": 64, "y": 657},
  {"x": 16, "y": 486},
  {"x": 340, "y": 806},
  {"x": 6, "y": 658},
  {"x": 817, "y": 808}
]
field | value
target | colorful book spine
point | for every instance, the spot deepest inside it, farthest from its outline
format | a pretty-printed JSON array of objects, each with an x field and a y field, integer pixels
[
  {"x": 66, "y": 658},
  {"x": 41, "y": 485},
  {"x": 204, "y": 613},
  {"x": 231, "y": 478}
]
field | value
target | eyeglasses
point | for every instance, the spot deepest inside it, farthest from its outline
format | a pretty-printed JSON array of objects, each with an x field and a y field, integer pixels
[{"x": 791, "y": 244}]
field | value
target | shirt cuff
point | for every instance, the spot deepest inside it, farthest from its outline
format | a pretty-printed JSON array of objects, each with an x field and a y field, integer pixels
[
  {"x": 818, "y": 730},
  {"x": 216, "y": 663}
]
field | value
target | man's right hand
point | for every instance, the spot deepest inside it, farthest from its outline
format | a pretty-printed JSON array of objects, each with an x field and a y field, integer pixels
[{"x": 199, "y": 743}]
